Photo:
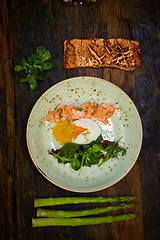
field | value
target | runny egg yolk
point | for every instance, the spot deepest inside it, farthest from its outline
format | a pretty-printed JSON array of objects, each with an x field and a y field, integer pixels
[{"x": 65, "y": 131}]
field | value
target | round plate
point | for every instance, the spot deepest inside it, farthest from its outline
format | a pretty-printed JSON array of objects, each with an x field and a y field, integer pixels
[{"x": 125, "y": 123}]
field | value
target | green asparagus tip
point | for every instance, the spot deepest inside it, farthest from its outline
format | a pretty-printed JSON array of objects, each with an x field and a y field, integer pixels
[
  {"x": 41, "y": 212},
  {"x": 42, "y": 202},
  {"x": 44, "y": 222}
]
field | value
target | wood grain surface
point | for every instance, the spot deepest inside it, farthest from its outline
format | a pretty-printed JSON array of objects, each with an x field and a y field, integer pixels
[{"x": 24, "y": 25}]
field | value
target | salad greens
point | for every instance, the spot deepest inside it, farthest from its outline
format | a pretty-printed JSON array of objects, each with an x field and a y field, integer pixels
[
  {"x": 34, "y": 66},
  {"x": 97, "y": 152}
]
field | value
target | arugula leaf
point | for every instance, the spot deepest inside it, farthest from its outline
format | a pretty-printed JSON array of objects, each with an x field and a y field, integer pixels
[
  {"x": 85, "y": 146},
  {"x": 75, "y": 164},
  {"x": 61, "y": 159},
  {"x": 91, "y": 158},
  {"x": 88, "y": 154},
  {"x": 112, "y": 151},
  {"x": 99, "y": 139},
  {"x": 68, "y": 154},
  {"x": 97, "y": 148},
  {"x": 69, "y": 149},
  {"x": 35, "y": 65}
]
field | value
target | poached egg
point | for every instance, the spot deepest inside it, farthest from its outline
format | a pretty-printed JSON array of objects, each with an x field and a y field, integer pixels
[{"x": 81, "y": 131}]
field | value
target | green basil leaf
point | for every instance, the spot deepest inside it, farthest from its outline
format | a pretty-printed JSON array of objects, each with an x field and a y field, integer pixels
[
  {"x": 47, "y": 66},
  {"x": 18, "y": 68},
  {"x": 40, "y": 51}
]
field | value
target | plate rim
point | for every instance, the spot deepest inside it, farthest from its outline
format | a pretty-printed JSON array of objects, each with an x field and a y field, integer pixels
[{"x": 70, "y": 189}]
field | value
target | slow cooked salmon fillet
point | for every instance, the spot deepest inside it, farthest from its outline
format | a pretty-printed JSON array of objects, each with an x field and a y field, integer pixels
[
  {"x": 89, "y": 110},
  {"x": 114, "y": 53}
]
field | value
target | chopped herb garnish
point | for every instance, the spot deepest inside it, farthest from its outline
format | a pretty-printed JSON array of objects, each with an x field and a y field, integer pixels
[
  {"x": 60, "y": 116},
  {"x": 80, "y": 109},
  {"x": 85, "y": 133},
  {"x": 58, "y": 110}
]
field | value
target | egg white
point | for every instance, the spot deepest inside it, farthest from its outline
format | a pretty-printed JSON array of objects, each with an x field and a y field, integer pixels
[{"x": 91, "y": 134}]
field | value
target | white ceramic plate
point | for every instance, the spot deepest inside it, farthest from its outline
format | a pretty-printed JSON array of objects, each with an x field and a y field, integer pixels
[{"x": 125, "y": 122}]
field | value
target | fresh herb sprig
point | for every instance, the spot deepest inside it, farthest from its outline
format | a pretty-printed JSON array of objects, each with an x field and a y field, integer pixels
[
  {"x": 88, "y": 154},
  {"x": 34, "y": 66}
]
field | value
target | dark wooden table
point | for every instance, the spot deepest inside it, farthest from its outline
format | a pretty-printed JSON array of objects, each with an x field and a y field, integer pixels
[{"x": 24, "y": 25}]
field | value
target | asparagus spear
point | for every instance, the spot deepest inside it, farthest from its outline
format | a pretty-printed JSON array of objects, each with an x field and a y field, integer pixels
[
  {"x": 60, "y": 213},
  {"x": 42, "y": 202},
  {"x": 42, "y": 222}
]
